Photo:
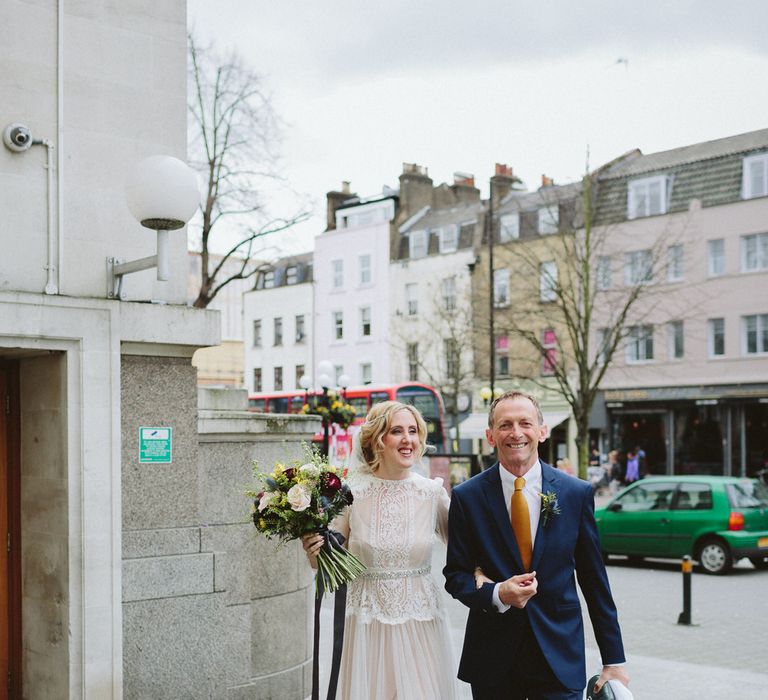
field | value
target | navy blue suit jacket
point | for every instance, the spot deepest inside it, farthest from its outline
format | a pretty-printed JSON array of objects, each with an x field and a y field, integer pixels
[{"x": 480, "y": 534}]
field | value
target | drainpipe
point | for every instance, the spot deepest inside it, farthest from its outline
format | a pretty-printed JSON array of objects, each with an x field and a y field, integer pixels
[
  {"x": 59, "y": 140},
  {"x": 54, "y": 252}
]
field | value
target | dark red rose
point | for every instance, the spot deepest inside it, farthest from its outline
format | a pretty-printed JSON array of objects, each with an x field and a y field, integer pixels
[{"x": 331, "y": 484}]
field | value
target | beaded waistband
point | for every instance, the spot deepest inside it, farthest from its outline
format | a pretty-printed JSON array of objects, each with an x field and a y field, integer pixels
[{"x": 396, "y": 573}]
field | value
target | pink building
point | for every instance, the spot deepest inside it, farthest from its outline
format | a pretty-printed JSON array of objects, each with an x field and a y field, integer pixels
[{"x": 690, "y": 383}]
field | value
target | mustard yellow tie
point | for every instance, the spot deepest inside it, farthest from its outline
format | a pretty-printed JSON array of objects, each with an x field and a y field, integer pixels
[{"x": 521, "y": 522}]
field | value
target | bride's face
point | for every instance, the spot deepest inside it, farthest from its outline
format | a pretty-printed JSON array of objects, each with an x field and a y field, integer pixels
[{"x": 401, "y": 446}]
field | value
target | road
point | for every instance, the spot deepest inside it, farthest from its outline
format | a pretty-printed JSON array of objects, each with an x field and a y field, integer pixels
[{"x": 721, "y": 654}]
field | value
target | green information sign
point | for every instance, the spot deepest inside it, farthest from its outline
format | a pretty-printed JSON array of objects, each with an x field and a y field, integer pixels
[{"x": 155, "y": 445}]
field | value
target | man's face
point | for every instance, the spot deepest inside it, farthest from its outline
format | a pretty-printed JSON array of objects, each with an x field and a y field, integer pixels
[{"x": 516, "y": 434}]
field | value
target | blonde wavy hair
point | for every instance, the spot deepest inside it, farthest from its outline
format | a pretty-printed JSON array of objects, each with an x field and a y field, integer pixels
[{"x": 377, "y": 425}]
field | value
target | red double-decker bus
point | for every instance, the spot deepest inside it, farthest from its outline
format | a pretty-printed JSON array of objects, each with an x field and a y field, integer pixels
[{"x": 422, "y": 396}]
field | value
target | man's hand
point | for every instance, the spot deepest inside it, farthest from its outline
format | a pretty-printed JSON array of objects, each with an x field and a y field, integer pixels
[
  {"x": 518, "y": 590},
  {"x": 612, "y": 673}
]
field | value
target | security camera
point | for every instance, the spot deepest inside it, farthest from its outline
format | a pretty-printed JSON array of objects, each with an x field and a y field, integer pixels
[{"x": 17, "y": 137}]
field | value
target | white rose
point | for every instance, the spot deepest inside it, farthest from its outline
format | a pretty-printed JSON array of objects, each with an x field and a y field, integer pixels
[
  {"x": 299, "y": 497},
  {"x": 266, "y": 499},
  {"x": 310, "y": 469}
]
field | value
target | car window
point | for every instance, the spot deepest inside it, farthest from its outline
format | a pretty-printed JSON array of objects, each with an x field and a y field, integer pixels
[
  {"x": 745, "y": 494},
  {"x": 693, "y": 497},
  {"x": 645, "y": 497}
]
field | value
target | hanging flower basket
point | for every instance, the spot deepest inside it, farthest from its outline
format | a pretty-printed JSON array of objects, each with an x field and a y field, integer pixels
[{"x": 342, "y": 414}]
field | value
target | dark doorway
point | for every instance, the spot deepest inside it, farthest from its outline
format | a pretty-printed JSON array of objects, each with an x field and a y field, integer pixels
[
  {"x": 10, "y": 560},
  {"x": 646, "y": 431}
]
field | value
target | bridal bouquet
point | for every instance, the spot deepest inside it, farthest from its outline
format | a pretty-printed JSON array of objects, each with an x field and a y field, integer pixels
[{"x": 299, "y": 499}]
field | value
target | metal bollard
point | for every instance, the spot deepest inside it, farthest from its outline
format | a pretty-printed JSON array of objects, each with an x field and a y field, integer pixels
[{"x": 687, "y": 568}]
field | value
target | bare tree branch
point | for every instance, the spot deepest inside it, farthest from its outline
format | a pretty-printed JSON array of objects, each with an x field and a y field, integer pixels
[{"x": 234, "y": 141}]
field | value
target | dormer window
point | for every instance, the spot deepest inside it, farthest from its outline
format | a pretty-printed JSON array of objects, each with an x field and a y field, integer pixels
[
  {"x": 549, "y": 219},
  {"x": 647, "y": 197},
  {"x": 510, "y": 228},
  {"x": 291, "y": 274},
  {"x": 754, "y": 177},
  {"x": 417, "y": 244},
  {"x": 269, "y": 279},
  {"x": 449, "y": 239}
]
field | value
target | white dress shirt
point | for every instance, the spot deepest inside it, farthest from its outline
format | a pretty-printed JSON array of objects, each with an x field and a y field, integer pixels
[{"x": 532, "y": 494}]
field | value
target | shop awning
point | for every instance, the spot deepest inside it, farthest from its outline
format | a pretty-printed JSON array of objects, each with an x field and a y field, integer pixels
[{"x": 474, "y": 425}]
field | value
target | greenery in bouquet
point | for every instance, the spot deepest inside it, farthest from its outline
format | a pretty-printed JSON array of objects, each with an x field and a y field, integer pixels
[
  {"x": 297, "y": 499},
  {"x": 336, "y": 412}
]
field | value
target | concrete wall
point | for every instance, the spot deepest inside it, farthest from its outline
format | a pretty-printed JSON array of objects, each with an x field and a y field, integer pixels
[
  {"x": 196, "y": 577},
  {"x": 173, "y": 636},
  {"x": 44, "y": 527},
  {"x": 105, "y": 83},
  {"x": 269, "y": 592}
]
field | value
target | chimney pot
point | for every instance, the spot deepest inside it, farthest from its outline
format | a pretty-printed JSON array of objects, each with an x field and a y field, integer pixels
[
  {"x": 345, "y": 186},
  {"x": 546, "y": 181},
  {"x": 460, "y": 178},
  {"x": 415, "y": 169},
  {"x": 504, "y": 169}
]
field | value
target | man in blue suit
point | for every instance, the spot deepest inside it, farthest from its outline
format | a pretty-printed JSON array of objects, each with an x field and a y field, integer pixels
[{"x": 528, "y": 528}]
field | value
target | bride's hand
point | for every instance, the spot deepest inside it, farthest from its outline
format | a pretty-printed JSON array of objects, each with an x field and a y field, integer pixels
[
  {"x": 312, "y": 544},
  {"x": 480, "y": 578}
]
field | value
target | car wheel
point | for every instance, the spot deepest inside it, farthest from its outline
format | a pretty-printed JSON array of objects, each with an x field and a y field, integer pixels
[
  {"x": 759, "y": 562},
  {"x": 715, "y": 557}
]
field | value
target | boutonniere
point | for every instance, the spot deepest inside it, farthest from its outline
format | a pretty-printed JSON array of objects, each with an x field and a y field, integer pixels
[{"x": 549, "y": 506}]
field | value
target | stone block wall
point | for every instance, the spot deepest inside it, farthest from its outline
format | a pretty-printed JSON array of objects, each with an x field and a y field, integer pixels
[{"x": 210, "y": 609}]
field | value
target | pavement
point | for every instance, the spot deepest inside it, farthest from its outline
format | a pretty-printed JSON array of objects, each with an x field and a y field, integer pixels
[{"x": 721, "y": 654}]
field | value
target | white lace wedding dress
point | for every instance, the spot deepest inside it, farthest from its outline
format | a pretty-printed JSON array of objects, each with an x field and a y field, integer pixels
[{"x": 396, "y": 637}]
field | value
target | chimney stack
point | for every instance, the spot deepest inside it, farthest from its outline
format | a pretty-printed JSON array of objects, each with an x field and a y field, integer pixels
[
  {"x": 415, "y": 190},
  {"x": 502, "y": 182},
  {"x": 546, "y": 181},
  {"x": 335, "y": 198},
  {"x": 463, "y": 188}
]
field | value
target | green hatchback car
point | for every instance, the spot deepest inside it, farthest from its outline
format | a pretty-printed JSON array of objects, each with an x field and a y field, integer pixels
[{"x": 716, "y": 519}]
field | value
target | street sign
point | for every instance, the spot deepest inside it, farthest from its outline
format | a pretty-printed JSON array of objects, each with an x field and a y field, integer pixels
[{"x": 155, "y": 445}]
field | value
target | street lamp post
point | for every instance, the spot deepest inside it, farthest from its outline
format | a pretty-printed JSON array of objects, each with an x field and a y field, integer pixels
[
  {"x": 325, "y": 379},
  {"x": 305, "y": 382},
  {"x": 325, "y": 370},
  {"x": 491, "y": 293}
]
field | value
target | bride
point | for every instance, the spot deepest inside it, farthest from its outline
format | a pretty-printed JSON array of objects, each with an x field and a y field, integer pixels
[{"x": 396, "y": 638}]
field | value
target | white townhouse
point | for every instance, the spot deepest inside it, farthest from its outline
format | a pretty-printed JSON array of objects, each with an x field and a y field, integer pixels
[
  {"x": 278, "y": 326},
  {"x": 352, "y": 299}
]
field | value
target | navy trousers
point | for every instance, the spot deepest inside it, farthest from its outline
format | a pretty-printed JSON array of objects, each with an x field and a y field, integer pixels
[{"x": 529, "y": 677}]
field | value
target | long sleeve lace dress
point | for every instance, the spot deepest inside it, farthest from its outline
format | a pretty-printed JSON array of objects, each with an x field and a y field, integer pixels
[{"x": 396, "y": 636}]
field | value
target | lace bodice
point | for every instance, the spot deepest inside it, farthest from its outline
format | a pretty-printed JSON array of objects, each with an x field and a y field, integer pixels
[{"x": 391, "y": 528}]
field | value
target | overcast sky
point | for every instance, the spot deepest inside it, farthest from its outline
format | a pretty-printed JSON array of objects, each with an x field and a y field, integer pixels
[{"x": 458, "y": 86}]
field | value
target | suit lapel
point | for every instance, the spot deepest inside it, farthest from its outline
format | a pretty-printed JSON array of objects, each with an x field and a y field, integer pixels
[
  {"x": 548, "y": 480},
  {"x": 494, "y": 495}
]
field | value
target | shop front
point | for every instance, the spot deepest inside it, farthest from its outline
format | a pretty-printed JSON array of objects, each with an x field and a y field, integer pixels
[{"x": 692, "y": 430}]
